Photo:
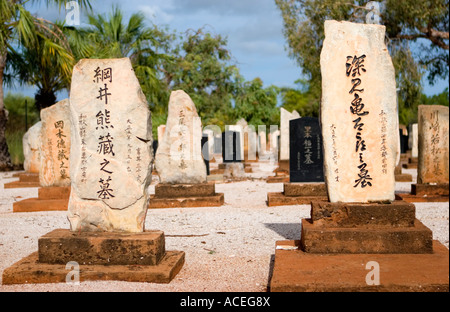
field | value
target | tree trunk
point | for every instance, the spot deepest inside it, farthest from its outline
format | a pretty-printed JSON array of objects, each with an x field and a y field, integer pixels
[{"x": 5, "y": 157}]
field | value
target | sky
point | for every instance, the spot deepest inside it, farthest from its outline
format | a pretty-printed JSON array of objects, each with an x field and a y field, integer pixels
[{"x": 253, "y": 29}]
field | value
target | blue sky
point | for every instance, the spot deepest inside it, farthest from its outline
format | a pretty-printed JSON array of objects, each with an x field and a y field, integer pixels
[{"x": 253, "y": 29}]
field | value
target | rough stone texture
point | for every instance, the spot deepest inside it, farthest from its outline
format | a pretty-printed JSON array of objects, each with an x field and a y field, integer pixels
[
  {"x": 61, "y": 246},
  {"x": 414, "y": 140},
  {"x": 280, "y": 199},
  {"x": 395, "y": 214},
  {"x": 297, "y": 271},
  {"x": 374, "y": 239},
  {"x": 179, "y": 156},
  {"x": 184, "y": 190},
  {"x": 31, "y": 142},
  {"x": 305, "y": 189},
  {"x": 234, "y": 171},
  {"x": 30, "y": 271},
  {"x": 428, "y": 189},
  {"x": 285, "y": 117},
  {"x": 36, "y": 204},
  {"x": 55, "y": 192},
  {"x": 359, "y": 154},
  {"x": 433, "y": 144},
  {"x": 55, "y": 145},
  {"x": 111, "y": 147}
]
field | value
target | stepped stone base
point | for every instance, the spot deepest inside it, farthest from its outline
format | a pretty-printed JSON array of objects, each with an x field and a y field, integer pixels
[
  {"x": 130, "y": 257},
  {"x": 26, "y": 179},
  {"x": 403, "y": 177},
  {"x": 298, "y": 271},
  {"x": 426, "y": 193},
  {"x": 186, "y": 195},
  {"x": 298, "y": 194},
  {"x": 54, "y": 198}
]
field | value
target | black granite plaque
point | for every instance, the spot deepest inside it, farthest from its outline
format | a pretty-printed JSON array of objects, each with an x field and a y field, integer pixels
[
  {"x": 305, "y": 150},
  {"x": 231, "y": 147},
  {"x": 205, "y": 152},
  {"x": 403, "y": 142}
]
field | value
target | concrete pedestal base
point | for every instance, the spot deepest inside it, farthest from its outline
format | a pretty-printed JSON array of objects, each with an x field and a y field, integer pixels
[
  {"x": 130, "y": 257},
  {"x": 342, "y": 239},
  {"x": 25, "y": 180},
  {"x": 186, "y": 195},
  {"x": 298, "y": 271},
  {"x": 298, "y": 194},
  {"x": 54, "y": 198},
  {"x": 426, "y": 193}
]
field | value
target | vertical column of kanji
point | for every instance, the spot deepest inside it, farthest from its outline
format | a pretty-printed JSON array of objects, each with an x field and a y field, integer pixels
[
  {"x": 358, "y": 113},
  {"x": 112, "y": 150}
]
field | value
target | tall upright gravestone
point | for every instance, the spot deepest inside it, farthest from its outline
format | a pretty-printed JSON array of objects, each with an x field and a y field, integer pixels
[
  {"x": 360, "y": 134},
  {"x": 179, "y": 161},
  {"x": 55, "y": 145},
  {"x": 54, "y": 171},
  {"x": 111, "y": 156},
  {"x": 358, "y": 114},
  {"x": 111, "y": 148},
  {"x": 433, "y": 161}
]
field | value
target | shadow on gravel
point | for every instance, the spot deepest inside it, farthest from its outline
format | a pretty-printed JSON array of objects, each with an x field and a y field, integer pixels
[{"x": 289, "y": 231}]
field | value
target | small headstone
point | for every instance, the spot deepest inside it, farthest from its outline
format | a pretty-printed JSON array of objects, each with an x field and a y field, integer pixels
[
  {"x": 414, "y": 140},
  {"x": 31, "y": 142},
  {"x": 240, "y": 132},
  {"x": 433, "y": 144},
  {"x": 55, "y": 145},
  {"x": 179, "y": 157},
  {"x": 306, "y": 156},
  {"x": 359, "y": 115},
  {"x": 111, "y": 147},
  {"x": 285, "y": 117}
]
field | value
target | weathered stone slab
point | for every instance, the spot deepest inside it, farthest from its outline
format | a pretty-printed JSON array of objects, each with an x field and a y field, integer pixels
[
  {"x": 111, "y": 147},
  {"x": 61, "y": 246},
  {"x": 30, "y": 271},
  {"x": 305, "y": 189},
  {"x": 31, "y": 142},
  {"x": 350, "y": 215},
  {"x": 298, "y": 271},
  {"x": 433, "y": 144},
  {"x": 184, "y": 190},
  {"x": 414, "y": 140},
  {"x": 179, "y": 157},
  {"x": 55, "y": 145},
  {"x": 285, "y": 117},
  {"x": 376, "y": 240},
  {"x": 358, "y": 113}
]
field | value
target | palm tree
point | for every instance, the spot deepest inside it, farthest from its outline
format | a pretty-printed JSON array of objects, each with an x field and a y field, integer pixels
[
  {"x": 19, "y": 29},
  {"x": 146, "y": 46}
]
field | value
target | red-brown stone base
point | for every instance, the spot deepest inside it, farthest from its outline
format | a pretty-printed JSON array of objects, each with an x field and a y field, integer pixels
[
  {"x": 54, "y": 198},
  {"x": 403, "y": 177},
  {"x": 91, "y": 250},
  {"x": 298, "y": 194},
  {"x": 426, "y": 193},
  {"x": 185, "y": 196},
  {"x": 297, "y": 271},
  {"x": 26, "y": 179}
]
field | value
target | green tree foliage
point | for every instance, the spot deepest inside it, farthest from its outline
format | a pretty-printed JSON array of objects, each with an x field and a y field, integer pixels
[
  {"x": 407, "y": 22},
  {"x": 19, "y": 28},
  {"x": 301, "y": 99},
  {"x": 203, "y": 69},
  {"x": 257, "y": 105}
]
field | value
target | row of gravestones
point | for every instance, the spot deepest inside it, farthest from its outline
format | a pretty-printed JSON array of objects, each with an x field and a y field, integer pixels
[{"x": 111, "y": 153}]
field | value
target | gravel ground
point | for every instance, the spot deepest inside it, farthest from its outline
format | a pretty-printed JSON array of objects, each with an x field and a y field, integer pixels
[{"x": 228, "y": 248}]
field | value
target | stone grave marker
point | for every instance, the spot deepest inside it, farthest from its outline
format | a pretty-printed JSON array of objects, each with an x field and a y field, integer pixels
[
  {"x": 55, "y": 145},
  {"x": 111, "y": 148},
  {"x": 31, "y": 142},
  {"x": 179, "y": 161},
  {"x": 111, "y": 155},
  {"x": 433, "y": 144},
  {"x": 361, "y": 217},
  {"x": 358, "y": 114},
  {"x": 306, "y": 155}
]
